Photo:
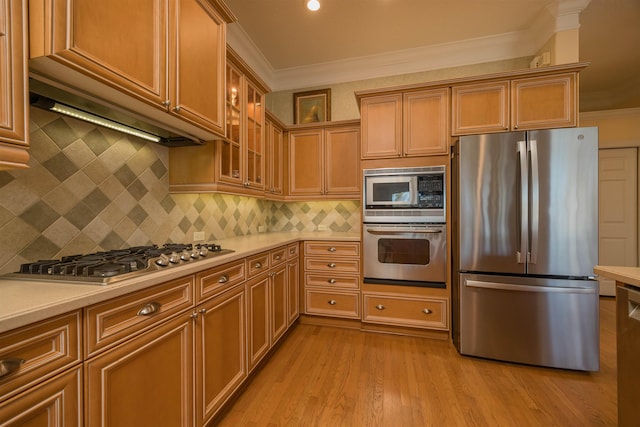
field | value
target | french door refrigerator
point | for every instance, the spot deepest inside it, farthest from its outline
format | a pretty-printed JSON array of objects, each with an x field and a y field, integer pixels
[{"x": 525, "y": 224}]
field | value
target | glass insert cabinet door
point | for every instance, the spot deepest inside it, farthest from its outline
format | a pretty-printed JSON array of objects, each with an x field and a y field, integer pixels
[
  {"x": 231, "y": 147},
  {"x": 255, "y": 137}
]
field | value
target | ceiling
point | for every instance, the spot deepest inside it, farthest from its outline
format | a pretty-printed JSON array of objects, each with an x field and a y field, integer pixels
[{"x": 291, "y": 47}]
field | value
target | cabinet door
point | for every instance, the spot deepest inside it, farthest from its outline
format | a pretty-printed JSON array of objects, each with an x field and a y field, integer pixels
[
  {"x": 480, "y": 108},
  {"x": 112, "y": 41},
  {"x": 544, "y": 102},
  {"x": 197, "y": 63},
  {"x": 279, "y": 313},
  {"x": 147, "y": 381},
  {"x": 381, "y": 124},
  {"x": 258, "y": 302},
  {"x": 14, "y": 116},
  {"x": 426, "y": 122},
  {"x": 57, "y": 402},
  {"x": 254, "y": 138},
  {"x": 275, "y": 157},
  {"x": 231, "y": 147},
  {"x": 293, "y": 290},
  {"x": 221, "y": 357},
  {"x": 305, "y": 162},
  {"x": 342, "y": 161}
]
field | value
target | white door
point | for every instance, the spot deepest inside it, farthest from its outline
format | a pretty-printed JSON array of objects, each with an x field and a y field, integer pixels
[{"x": 618, "y": 212}]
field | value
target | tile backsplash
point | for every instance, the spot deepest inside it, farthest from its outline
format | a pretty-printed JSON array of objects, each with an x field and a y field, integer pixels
[{"x": 90, "y": 189}]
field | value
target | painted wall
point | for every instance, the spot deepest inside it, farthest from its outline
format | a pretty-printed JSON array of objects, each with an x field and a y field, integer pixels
[
  {"x": 343, "y": 100},
  {"x": 90, "y": 189},
  {"x": 616, "y": 128}
]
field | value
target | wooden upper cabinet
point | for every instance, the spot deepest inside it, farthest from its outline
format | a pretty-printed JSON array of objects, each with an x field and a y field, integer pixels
[
  {"x": 544, "y": 102},
  {"x": 381, "y": 124},
  {"x": 157, "y": 58},
  {"x": 324, "y": 162},
  {"x": 412, "y": 124},
  {"x": 425, "y": 122},
  {"x": 14, "y": 113},
  {"x": 539, "y": 102},
  {"x": 480, "y": 108},
  {"x": 274, "y": 161},
  {"x": 196, "y": 91}
]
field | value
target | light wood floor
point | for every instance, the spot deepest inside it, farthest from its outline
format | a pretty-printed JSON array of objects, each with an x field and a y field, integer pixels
[{"x": 325, "y": 376}]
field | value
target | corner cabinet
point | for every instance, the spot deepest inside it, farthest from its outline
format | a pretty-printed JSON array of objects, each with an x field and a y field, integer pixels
[
  {"x": 324, "y": 161},
  {"x": 166, "y": 61},
  {"x": 14, "y": 108},
  {"x": 234, "y": 164},
  {"x": 409, "y": 124}
]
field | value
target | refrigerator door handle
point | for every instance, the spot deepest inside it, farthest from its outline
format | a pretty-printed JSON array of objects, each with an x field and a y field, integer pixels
[
  {"x": 522, "y": 187},
  {"x": 535, "y": 201},
  {"x": 527, "y": 288}
]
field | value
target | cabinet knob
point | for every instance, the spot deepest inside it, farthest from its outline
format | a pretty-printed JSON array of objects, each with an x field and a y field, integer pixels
[
  {"x": 223, "y": 279},
  {"x": 194, "y": 315},
  {"x": 278, "y": 257},
  {"x": 202, "y": 311},
  {"x": 10, "y": 365},
  {"x": 332, "y": 302},
  {"x": 332, "y": 249},
  {"x": 149, "y": 309},
  {"x": 167, "y": 103},
  {"x": 176, "y": 108},
  {"x": 331, "y": 265},
  {"x": 332, "y": 281},
  {"x": 257, "y": 265},
  {"x": 427, "y": 311},
  {"x": 380, "y": 307}
]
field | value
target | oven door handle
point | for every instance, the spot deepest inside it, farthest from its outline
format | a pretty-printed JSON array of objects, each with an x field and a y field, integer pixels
[{"x": 394, "y": 231}]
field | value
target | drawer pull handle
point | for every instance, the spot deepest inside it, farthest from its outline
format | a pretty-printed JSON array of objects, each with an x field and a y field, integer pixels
[
  {"x": 427, "y": 311},
  {"x": 292, "y": 251},
  {"x": 380, "y": 307},
  {"x": 278, "y": 257},
  {"x": 332, "y": 302},
  {"x": 331, "y": 265},
  {"x": 223, "y": 279},
  {"x": 150, "y": 308},
  {"x": 257, "y": 265},
  {"x": 332, "y": 249},
  {"x": 332, "y": 281},
  {"x": 8, "y": 366}
]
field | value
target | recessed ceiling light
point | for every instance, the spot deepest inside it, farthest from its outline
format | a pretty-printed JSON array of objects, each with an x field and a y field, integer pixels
[{"x": 313, "y": 5}]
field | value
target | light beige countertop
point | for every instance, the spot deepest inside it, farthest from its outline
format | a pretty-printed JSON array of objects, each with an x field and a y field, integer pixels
[
  {"x": 23, "y": 302},
  {"x": 630, "y": 275}
]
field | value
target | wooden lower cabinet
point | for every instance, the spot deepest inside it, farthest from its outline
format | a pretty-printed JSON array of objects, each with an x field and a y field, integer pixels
[
  {"x": 56, "y": 402},
  {"x": 221, "y": 356},
  {"x": 405, "y": 310},
  {"x": 258, "y": 319},
  {"x": 293, "y": 283},
  {"x": 147, "y": 380}
]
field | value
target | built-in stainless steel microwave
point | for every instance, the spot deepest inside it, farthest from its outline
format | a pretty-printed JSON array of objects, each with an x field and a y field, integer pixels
[{"x": 404, "y": 195}]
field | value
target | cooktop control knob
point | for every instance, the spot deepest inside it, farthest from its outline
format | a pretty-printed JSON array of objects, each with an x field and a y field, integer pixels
[
  {"x": 163, "y": 260},
  {"x": 174, "y": 258},
  {"x": 185, "y": 256},
  {"x": 203, "y": 251}
]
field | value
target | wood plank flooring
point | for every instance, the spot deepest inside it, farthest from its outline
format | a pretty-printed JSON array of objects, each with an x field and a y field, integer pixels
[{"x": 325, "y": 376}]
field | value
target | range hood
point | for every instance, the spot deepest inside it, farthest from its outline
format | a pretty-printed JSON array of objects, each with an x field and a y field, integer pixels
[{"x": 47, "y": 94}]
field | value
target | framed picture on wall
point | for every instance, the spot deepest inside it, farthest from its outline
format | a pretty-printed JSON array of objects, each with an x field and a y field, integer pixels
[{"x": 312, "y": 106}]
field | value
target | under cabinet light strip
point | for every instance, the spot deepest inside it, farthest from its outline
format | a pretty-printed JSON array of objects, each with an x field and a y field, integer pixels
[{"x": 101, "y": 121}]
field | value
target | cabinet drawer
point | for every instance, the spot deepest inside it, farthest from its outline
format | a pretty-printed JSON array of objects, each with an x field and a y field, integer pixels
[
  {"x": 332, "y": 281},
  {"x": 116, "y": 320},
  {"x": 216, "y": 280},
  {"x": 429, "y": 313},
  {"x": 346, "y": 249},
  {"x": 293, "y": 250},
  {"x": 39, "y": 351},
  {"x": 332, "y": 265},
  {"x": 332, "y": 303},
  {"x": 258, "y": 263},
  {"x": 278, "y": 256}
]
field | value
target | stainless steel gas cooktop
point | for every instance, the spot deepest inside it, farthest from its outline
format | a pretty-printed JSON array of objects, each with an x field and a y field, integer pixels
[{"x": 103, "y": 268}]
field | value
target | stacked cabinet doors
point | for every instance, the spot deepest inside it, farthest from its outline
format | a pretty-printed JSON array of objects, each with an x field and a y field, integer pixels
[
  {"x": 14, "y": 118},
  {"x": 165, "y": 60}
]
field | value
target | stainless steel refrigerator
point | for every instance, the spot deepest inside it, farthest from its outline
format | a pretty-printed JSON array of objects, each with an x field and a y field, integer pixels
[{"x": 525, "y": 241}]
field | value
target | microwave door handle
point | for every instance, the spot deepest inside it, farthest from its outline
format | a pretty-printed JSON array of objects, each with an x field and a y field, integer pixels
[{"x": 392, "y": 231}]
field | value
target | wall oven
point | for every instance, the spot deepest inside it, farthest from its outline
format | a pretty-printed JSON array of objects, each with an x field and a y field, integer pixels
[{"x": 404, "y": 231}]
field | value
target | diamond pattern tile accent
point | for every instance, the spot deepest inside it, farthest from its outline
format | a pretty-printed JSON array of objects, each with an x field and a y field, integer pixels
[{"x": 91, "y": 189}]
